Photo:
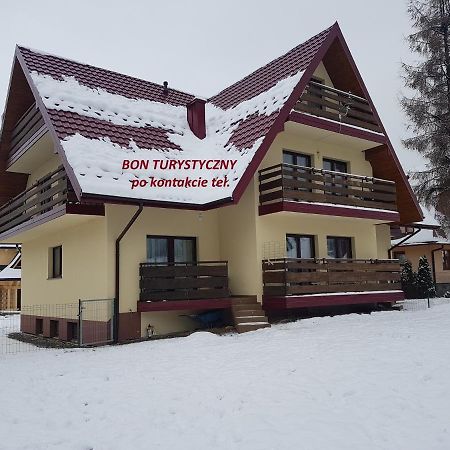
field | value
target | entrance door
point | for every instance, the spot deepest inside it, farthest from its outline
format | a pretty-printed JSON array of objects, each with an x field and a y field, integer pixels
[{"x": 171, "y": 249}]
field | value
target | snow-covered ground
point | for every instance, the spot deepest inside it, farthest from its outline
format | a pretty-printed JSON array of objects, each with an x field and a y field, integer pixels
[{"x": 379, "y": 381}]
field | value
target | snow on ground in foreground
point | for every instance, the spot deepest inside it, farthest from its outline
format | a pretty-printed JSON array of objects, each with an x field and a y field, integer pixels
[{"x": 379, "y": 381}]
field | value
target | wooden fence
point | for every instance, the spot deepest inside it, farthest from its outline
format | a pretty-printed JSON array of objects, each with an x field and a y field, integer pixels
[
  {"x": 297, "y": 183},
  {"x": 290, "y": 276},
  {"x": 177, "y": 281},
  {"x": 334, "y": 104}
]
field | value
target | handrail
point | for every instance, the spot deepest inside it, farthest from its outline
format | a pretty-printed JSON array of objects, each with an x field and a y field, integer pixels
[
  {"x": 338, "y": 91},
  {"x": 329, "y": 172}
]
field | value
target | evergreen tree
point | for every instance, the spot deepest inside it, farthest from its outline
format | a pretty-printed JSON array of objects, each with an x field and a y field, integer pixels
[
  {"x": 425, "y": 284},
  {"x": 408, "y": 280},
  {"x": 429, "y": 108}
]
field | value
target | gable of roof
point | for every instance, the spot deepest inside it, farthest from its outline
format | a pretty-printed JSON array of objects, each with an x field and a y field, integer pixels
[{"x": 98, "y": 118}]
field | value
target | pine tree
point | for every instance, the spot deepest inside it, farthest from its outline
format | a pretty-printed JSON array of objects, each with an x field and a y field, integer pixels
[
  {"x": 429, "y": 108},
  {"x": 425, "y": 284},
  {"x": 408, "y": 280}
]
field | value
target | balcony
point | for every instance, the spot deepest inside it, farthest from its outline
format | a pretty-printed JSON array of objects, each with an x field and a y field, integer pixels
[
  {"x": 296, "y": 283},
  {"x": 286, "y": 187},
  {"x": 28, "y": 130},
  {"x": 50, "y": 197},
  {"x": 175, "y": 286},
  {"x": 339, "y": 106}
]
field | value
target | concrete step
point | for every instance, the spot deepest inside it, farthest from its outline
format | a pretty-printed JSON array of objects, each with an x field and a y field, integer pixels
[
  {"x": 244, "y": 327},
  {"x": 251, "y": 299},
  {"x": 247, "y": 307},
  {"x": 249, "y": 312},
  {"x": 248, "y": 319}
]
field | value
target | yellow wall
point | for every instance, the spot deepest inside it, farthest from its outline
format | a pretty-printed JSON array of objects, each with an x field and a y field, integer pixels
[
  {"x": 83, "y": 265},
  {"x": 317, "y": 149},
  {"x": 414, "y": 252},
  {"x": 49, "y": 166}
]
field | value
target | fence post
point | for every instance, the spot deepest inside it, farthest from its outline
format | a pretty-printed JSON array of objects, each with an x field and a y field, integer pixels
[{"x": 80, "y": 322}]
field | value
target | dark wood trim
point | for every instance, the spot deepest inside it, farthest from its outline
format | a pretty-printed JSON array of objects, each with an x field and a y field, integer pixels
[
  {"x": 308, "y": 301},
  {"x": 331, "y": 210},
  {"x": 190, "y": 305},
  {"x": 20, "y": 151},
  {"x": 182, "y": 281},
  {"x": 303, "y": 276},
  {"x": 85, "y": 210}
]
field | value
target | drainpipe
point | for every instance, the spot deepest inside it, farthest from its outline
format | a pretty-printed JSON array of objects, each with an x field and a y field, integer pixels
[
  {"x": 402, "y": 242},
  {"x": 433, "y": 263},
  {"x": 117, "y": 278}
]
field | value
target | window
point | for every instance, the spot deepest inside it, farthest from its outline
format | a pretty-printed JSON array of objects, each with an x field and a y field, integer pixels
[
  {"x": 339, "y": 247},
  {"x": 171, "y": 249},
  {"x": 72, "y": 331},
  {"x": 446, "y": 259},
  {"x": 55, "y": 262},
  {"x": 300, "y": 246},
  {"x": 39, "y": 326},
  {"x": 335, "y": 166},
  {"x": 54, "y": 328},
  {"x": 400, "y": 256},
  {"x": 298, "y": 159}
]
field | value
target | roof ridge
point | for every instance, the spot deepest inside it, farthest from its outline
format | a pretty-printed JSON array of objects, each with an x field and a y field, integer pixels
[
  {"x": 292, "y": 50},
  {"x": 43, "y": 53}
]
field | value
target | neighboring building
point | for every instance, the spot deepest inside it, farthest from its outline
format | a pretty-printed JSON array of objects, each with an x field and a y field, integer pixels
[
  {"x": 431, "y": 242},
  {"x": 10, "y": 292},
  {"x": 304, "y": 219}
]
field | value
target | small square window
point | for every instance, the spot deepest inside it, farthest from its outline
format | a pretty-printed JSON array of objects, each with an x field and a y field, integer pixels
[{"x": 55, "y": 262}]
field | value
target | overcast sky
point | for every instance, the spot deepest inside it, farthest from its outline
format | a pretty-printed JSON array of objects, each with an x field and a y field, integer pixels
[{"x": 202, "y": 46}]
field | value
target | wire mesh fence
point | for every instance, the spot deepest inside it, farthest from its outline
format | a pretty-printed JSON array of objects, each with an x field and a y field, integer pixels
[
  {"x": 418, "y": 304},
  {"x": 86, "y": 323}
]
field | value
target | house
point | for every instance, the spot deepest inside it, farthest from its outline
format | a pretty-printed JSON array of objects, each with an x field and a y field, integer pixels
[
  {"x": 278, "y": 191},
  {"x": 10, "y": 292},
  {"x": 431, "y": 241}
]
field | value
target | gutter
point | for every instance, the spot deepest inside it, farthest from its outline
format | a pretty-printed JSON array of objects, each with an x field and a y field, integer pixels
[
  {"x": 433, "y": 263},
  {"x": 402, "y": 241},
  {"x": 117, "y": 272}
]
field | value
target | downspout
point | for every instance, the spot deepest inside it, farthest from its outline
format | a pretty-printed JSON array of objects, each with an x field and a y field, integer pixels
[
  {"x": 117, "y": 272},
  {"x": 433, "y": 263},
  {"x": 402, "y": 242}
]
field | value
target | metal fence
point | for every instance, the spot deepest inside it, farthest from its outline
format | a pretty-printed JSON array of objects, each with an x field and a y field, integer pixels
[
  {"x": 418, "y": 304},
  {"x": 96, "y": 321},
  {"x": 88, "y": 322}
]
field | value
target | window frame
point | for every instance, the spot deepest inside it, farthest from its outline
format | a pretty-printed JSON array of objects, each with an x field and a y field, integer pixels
[
  {"x": 297, "y": 238},
  {"x": 55, "y": 273},
  {"x": 347, "y": 238},
  {"x": 446, "y": 259},
  {"x": 171, "y": 248}
]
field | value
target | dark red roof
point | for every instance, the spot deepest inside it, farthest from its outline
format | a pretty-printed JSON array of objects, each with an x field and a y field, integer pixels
[{"x": 267, "y": 76}]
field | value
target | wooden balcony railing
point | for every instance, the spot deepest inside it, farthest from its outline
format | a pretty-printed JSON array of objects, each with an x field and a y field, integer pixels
[
  {"x": 334, "y": 104},
  {"x": 46, "y": 194},
  {"x": 287, "y": 182},
  {"x": 290, "y": 276},
  {"x": 183, "y": 281},
  {"x": 29, "y": 126}
]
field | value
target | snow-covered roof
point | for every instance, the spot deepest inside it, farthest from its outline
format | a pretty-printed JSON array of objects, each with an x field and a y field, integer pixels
[
  {"x": 102, "y": 117},
  {"x": 9, "y": 272},
  {"x": 426, "y": 236}
]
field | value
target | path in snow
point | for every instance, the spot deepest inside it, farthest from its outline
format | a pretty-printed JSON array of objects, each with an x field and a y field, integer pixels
[{"x": 379, "y": 381}]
